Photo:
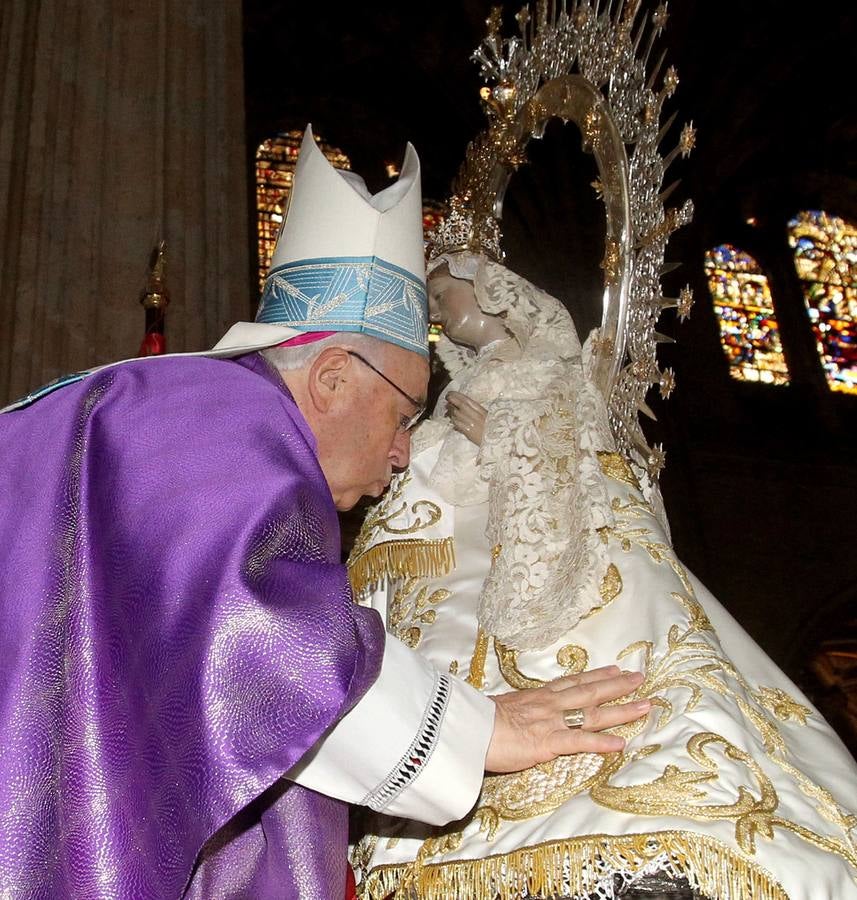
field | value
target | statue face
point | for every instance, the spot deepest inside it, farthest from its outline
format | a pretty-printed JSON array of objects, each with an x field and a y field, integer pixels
[{"x": 452, "y": 303}]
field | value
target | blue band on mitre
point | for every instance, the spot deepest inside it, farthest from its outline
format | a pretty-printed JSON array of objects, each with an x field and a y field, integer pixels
[{"x": 351, "y": 293}]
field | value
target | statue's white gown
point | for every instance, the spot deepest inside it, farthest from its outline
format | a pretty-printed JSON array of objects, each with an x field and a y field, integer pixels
[{"x": 733, "y": 781}]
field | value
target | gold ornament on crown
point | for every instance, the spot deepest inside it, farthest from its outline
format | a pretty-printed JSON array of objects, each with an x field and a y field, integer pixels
[{"x": 590, "y": 62}]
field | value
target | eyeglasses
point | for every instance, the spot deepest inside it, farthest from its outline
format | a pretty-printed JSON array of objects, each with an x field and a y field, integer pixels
[{"x": 405, "y": 423}]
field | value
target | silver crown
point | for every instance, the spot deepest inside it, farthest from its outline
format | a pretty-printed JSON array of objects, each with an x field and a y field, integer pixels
[{"x": 465, "y": 230}]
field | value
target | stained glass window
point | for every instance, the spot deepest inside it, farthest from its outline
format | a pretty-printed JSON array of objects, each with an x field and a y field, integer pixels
[
  {"x": 275, "y": 167},
  {"x": 749, "y": 332},
  {"x": 826, "y": 261}
]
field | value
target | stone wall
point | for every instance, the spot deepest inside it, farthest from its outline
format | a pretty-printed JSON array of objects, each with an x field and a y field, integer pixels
[{"x": 122, "y": 122}]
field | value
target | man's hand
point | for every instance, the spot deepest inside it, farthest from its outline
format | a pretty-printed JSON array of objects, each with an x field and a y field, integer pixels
[
  {"x": 466, "y": 415},
  {"x": 529, "y": 726}
]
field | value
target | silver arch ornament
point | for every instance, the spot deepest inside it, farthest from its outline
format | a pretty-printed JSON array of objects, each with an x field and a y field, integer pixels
[{"x": 588, "y": 63}]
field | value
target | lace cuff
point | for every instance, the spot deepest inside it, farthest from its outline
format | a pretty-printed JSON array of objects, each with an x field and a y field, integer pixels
[{"x": 418, "y": 754}]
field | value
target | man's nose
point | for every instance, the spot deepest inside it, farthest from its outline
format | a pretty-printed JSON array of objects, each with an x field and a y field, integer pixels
[{"x": 400, "y": 452}]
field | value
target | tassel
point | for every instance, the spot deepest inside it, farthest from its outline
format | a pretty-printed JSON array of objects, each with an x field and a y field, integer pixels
[
  {"x": 408, "y": 558},
  {"x": 573, "y": 867}
]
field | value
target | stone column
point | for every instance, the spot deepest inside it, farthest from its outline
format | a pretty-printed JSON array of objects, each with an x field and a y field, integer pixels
[{"x": 122, "y": 122}]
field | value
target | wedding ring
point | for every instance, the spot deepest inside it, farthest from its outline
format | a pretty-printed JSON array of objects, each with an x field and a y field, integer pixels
[{"x": 573, "y": 718}]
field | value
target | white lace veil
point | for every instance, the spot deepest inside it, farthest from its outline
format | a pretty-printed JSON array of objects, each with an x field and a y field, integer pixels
[{"x": 537, "y": 467}]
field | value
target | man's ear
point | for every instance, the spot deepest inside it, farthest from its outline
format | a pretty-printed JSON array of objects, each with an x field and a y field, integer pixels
[{"x": 325, "y": 378}]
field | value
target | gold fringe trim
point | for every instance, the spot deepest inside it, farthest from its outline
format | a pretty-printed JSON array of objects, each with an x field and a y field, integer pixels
[
  {"x": 572, "y": 867},
  {"x": 408, "y": 558}
]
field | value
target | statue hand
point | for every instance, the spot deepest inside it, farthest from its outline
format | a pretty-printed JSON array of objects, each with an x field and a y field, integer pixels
[
  {"x": 467, "y": 416},
  {"x": 529, "y": 726}
]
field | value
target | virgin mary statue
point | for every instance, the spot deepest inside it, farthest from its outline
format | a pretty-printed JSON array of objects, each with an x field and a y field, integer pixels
[{"x": 520, "y": 546}]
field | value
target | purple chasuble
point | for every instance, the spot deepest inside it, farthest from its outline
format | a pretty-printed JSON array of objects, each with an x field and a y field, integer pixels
[{"x": 177, "y": 631}]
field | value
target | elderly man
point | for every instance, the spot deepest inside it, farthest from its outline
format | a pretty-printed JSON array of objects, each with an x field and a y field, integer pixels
[{"x": 188, "y": 692}]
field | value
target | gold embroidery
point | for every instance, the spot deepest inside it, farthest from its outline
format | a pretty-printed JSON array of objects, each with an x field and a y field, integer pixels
[
  {"x": 696, "y": 665},
  {"x": 432, "y": 511},
  {"x": 676, "y": 681},
  {"x": 413, "y": 605},
  {"x": 692, "y": 665},
  {"x": 432, "y": 846},
  {"x": 828, "y": 807},
  {"x": 574, "y": 867},
  {"x": 573, "y": 659},
  {"x": 453, "y": 667},
  {"x": 398, "y": 604},
  {"x": 476, "y": 677},
  {"x": 781, "y": 705},
  {"x": 615, "y": 466},
  {"x": 361, "y": 854},
  {"x": 507, "y": 660},
  {"x": 540, "y": 789},
  {"x": 610, "y": 586},
  {"x": 496, "y": 550},
  {"x": 372, "y": 559},
  {"x": 679, "y": 792},
  {"x": 412, "y": 637},
  {"x": 377, "y": 515},
  {"x": 637, "y": 508}
]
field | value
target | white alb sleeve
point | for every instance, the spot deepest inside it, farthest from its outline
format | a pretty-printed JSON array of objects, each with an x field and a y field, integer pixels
[{"x": 413, "y": 746}]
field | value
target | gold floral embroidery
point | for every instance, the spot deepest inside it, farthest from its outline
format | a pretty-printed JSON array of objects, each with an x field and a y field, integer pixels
[
  {"x": 691, "y": 664},
  {"x": 611, "y": 585},
  {"x": 540, "y": 789},
  {"x": 680, "y": 792},
  {"x": 413, "y": 605},
  {"x": 615, "y": 466},
  {"x": 507, "y": 660},
  {"x": 573, "y": 658},
  {"x": 476, "y": 676},
  {"x": 696, "y": 665},
  {"x": 411, "y": 637},
  {"x": 828, "y": 807},
  {"x": 782, "y": 706},
  {"x": 637, "y": 508}
]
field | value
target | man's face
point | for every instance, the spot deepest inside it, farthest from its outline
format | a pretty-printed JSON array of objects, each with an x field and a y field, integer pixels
[{"x": 373, "y": 443}]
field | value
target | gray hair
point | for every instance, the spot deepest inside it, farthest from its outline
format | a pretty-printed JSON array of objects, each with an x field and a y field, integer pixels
[{"x": 289, "y": 358}]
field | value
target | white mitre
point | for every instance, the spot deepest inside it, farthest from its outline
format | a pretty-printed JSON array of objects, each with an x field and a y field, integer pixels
[{"x": 345, "y": 260}]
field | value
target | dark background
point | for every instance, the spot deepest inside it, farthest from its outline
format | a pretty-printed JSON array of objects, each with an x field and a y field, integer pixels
[{"x": 761, "y": 482}]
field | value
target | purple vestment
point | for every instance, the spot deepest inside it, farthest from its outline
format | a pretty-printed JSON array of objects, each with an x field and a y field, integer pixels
[{"x": 177, "y": 631}]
